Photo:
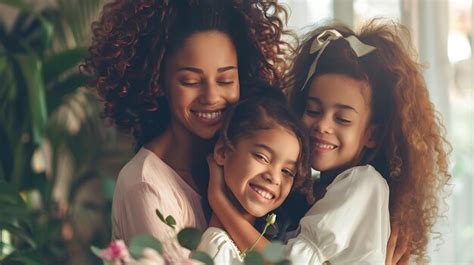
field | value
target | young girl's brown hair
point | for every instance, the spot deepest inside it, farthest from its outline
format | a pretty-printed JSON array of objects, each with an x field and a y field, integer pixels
[{"x": 411, "y": 152}]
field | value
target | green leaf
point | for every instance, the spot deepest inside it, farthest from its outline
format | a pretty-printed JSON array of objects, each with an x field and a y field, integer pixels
[
  {"x": 274, "y": 252},
  {"x": 189, "y": 237},
  {"x": 24, "y": 258},
  {"x": 20, "y": 4},
  {"x": 96, "y": 251},
  {"x": 284, "y": 262},
  {"x": 170, "y": 221},
  {"x": 202, "y": 257},
  {"x": 3, "y": 63},
  {"x": 57, "y": 64},
  {"x": 6, "y": 248},
  {"x": 22, "y": 157},
  {"x": 253, "y": 258},
  {"x": 9, "y": 195},
  {"x": 140, "y": 242},
  {"x": 9, "y": 211},
  {"x": 160, "y": 215},
  {"x": 46, "y": 30},
  {"x": 31, "y": 68},
  {"x": 58, "y": 91},
  {"x": 18, "y": 232},
  {"x": 77, "y": 16},
  {"x": 108, "y": 187},
  {"x": 2, "y": 173}
]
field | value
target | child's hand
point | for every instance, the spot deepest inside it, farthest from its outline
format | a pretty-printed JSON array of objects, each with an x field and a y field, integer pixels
[
  {"x": 398, "y": 250},
  {"x": 216, "y": 189},
  {"x": 216, "y": 175}
]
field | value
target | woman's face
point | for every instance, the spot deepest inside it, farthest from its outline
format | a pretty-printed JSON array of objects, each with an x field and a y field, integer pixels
[
  {"x": 202, "y": 81},
  {"x": 338, "y": 112}
]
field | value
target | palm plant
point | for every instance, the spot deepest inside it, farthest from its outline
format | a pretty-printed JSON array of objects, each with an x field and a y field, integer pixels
[{"x": 45, "y": 118}]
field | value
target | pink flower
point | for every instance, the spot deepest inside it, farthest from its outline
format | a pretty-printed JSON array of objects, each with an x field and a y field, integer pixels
[
  {"x": 191, "y": 262},
  {"x": 116, "y": 251}
]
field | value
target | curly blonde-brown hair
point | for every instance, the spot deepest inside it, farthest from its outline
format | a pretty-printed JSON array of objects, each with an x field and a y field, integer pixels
[
  {"x": 133, "y": 38},
  {"x": 412, "y": 149}
]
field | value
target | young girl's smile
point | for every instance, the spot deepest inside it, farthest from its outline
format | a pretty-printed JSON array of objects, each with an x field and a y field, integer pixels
[
  {"x": 337, "y": 113},
  {"x": 202, "y": 81},
  {"x": 260, "y": 169}
]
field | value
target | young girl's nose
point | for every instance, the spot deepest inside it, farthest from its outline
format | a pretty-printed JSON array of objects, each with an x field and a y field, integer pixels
[
  {"x": 323, "y": 125},
  {"x": 271, "y": 177}
]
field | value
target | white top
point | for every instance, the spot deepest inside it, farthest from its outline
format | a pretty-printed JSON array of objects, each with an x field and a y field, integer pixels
[
  {"x": 145, "y": 184},
  {"x": 218, "y": 244},
  {"x": 349, "y": 225}
]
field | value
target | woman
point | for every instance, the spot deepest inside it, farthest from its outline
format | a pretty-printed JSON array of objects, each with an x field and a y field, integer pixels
[{"x": 167, "y": 71}]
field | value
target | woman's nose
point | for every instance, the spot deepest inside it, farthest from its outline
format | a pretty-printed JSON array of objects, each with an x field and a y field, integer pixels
[{"x": 209, "y": 94}]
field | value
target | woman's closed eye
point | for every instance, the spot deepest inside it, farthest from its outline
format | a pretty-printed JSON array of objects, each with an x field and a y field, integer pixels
[
  {"x": 190, "y": 82},
  {"x": 226, "y": 82}
]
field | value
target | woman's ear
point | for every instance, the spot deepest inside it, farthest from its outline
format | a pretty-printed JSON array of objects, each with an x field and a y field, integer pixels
[
  {"x": 220, "y": 152},
  {"x": 371, "y": 139}
]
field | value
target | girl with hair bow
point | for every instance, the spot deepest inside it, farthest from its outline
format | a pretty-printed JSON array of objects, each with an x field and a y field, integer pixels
[{"x": 376, "y": 141}]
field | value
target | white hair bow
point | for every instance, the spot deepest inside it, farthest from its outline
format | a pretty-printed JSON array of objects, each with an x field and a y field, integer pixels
[{"x": 322, "y": 41}]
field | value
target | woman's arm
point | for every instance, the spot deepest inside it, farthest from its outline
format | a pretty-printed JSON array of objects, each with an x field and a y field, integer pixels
[{"x": 242, "y": 232}]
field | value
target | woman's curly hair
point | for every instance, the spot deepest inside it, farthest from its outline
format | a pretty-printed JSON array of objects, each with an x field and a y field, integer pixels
[
  {"x": 133, "y": 38},
  {"x": 412, "y": 149}
]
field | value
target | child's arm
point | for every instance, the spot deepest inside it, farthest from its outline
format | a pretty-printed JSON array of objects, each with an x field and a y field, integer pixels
[
  {"x": 242, "y": 232},
  {"x": 398, "y": 249}
]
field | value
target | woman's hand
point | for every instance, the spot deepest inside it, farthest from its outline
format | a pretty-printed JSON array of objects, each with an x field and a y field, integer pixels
[{"x": 398, "y": 250}]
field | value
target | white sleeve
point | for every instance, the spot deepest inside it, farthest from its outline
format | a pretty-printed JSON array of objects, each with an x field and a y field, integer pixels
[
  {"x": 350, "y": 224},
  {"x": 218, "y": 245}
]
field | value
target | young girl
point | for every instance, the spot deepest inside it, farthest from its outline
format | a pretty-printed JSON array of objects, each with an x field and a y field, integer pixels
[
  {"x": 167, "y": 71},
  {"x": 367, "y": 107},
  {"x": 263, "y": 151}
]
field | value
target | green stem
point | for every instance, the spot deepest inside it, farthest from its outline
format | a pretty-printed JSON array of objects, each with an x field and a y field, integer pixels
[{"x": 256, "y": 241}]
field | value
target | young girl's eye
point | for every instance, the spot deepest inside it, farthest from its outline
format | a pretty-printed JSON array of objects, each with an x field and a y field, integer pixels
[
  {"x": 343, "y": 121},
  {"x": 289, "y": 172},
  {"x": 313, "y": 112},
  {"x": 261, "y": 158}
]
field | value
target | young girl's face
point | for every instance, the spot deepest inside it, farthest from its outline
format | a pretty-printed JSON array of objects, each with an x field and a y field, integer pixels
[
  {"x": 202, "y": 81},
  {"x": 338, "y": 112},
  {"x": 260, "y": 170}
]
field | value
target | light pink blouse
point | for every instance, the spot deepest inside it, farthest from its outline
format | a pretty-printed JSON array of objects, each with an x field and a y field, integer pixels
[{"x": 145, "y": 184}]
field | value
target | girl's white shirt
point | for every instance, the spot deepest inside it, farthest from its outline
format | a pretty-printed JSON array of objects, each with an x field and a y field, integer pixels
[
  {"x": 349, "y": 225},
  {"x": 218, "y": 244}
]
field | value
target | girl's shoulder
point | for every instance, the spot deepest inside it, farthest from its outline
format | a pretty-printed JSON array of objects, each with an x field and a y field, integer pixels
[
  {"x": 218, "y": 244},
  {"x": 364, "y": 176}
]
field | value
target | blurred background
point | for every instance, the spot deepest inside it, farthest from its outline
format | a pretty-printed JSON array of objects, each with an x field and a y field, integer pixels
[{"x": 59, "y": 160}]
